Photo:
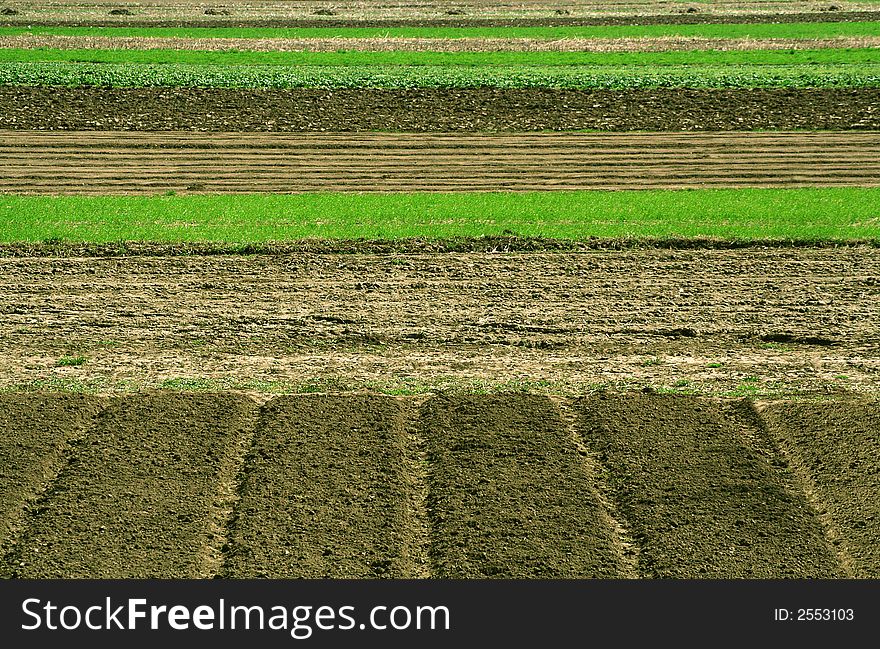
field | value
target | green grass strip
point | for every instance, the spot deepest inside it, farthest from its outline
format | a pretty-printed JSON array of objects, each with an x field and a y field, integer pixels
[
  {"x": 838, "y": 214},
  {"x": 767, "y": 30},
  {"x": 572, "y": 77},
  {"x": 692, "y": 58}
]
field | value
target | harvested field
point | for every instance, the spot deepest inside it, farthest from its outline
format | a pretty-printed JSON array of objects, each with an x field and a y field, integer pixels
[
  {"x": 151, "y": 163},
  {"x": 704, "y": 494},
  {"x": 482, "y": 16},
  {"x": 435, "y": 110},
  {"x": 748, "y": 321},
  {"x": 400, "y": 44}
]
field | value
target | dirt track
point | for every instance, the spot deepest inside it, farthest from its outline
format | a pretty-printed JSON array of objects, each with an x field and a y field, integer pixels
[
  {"x": 435, "y": 110},
  {"x": 771, "y": 320},
  {"x": 131, "y": 163},
  {"x": 183, "y": 485}
]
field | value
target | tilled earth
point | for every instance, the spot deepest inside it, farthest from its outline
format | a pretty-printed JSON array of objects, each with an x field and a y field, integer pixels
[
  {"x": 750, "y": 320},
  {"x": 436, "y": 109},
  {"x": 204, "y": 485}
]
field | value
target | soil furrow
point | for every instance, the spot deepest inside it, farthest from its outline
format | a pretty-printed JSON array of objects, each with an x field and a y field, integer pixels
[
  {"x": 436, "y": 110},
  {"x": 834, "y": 447},
  {"x": 325, "y": 492},
  {"x": 701, "y": 499},
  {"x": 136, "y": 500},
  {"x": 509, "y": 495},
  {"x": 40, "y": 435},
  {"x": 624, "y": 543},
  {"x": 229, "y": 484}
]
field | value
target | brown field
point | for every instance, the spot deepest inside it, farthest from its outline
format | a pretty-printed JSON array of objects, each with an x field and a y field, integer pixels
[
  {"x": 384, "y": 410},
  {"x": 466, "y": 110},
  {"x": 430, "y": 12},
  {"x": 754, "y": 320},
  {"x": 130, "y": 163},
  {"x": 187, "y": 485}
]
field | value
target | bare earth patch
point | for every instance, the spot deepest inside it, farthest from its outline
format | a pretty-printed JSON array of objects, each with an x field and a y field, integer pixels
[
  {"x": 428, "y": 12},
  {"x": 436, "y": 109},
  {"x": 754, "y": 321},
  {"x": 646, "y": 44},
  {"x": 477, "y": 486}
]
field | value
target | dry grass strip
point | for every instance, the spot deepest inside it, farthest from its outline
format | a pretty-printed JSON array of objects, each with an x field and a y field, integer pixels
[{"x": 647, "y": 44}]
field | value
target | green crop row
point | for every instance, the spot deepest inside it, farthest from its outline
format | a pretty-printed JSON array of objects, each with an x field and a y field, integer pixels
[
  {"x": 572, "y": 77},
  {"x": 766, "y": 30},
  {"x": 837, "y": 214},
  {"x": 353, "y": 58}
]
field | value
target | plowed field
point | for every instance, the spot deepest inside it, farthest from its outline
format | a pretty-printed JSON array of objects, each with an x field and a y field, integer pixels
[
  {"x": 311, "y": 486},
  {"x": 460, "y": 110},
  {"x": 120, "y": 162},
  {"x": 772, "y": 320}
]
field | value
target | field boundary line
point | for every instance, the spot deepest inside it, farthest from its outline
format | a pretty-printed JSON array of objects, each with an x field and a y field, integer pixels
[
  {"x": 804, "y": 481},
  {"x": 230, "y": 475},
  {"x": 624, "y": 543},
  {"x": 54, "y": 467}
]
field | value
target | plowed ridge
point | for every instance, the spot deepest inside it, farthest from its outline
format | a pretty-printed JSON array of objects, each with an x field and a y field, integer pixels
[
  {"x": 701, "y": 487},
  {"x": 149, "y": 163}
]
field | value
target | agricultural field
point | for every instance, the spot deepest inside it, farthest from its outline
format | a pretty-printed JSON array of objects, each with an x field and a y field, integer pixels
[
  {"x": 469, "y": 486},
  {"x": 440, "y": 290}
]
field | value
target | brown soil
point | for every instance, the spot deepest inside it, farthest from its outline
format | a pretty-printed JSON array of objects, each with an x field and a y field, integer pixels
[
  {"x": 442, "y": 20},
  {"x": 509, "y": 493},
  {"x": 756, "y": 319},
  {"x": 837, "y": 446},
  {"x": 688, "y": 487},
  {"x": 133, "y": 163},
  {"x": 30, "y": 458},
  {"x": 433, "y": 110},
  {"x": 647, "y": 44},
  {"x": 407, "y": 246},
  {"x": 324, "y": 493},
  {"x": 136, "y": 497},
  {"x": 699, "y": 490}
]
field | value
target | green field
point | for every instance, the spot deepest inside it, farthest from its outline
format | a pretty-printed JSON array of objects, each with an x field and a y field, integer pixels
[
  {"x": 315, "y": 76},
  {"x": 766, "y": 30},
  {"x": 821, "y": 57},
  {"x": 840, "y": 214}
]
